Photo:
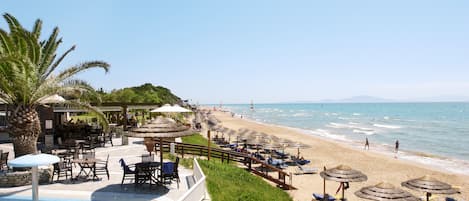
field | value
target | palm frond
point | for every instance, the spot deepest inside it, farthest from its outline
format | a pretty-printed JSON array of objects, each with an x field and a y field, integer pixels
[
  {"x": 13, "y": 23},
  {"x": 5, "y": 43},
  {"x": 56, "y": 63},
  {"x": 37, "y": 29},
  {"x": 48, "y": 50},
  {"x": 67, "y": 73}
]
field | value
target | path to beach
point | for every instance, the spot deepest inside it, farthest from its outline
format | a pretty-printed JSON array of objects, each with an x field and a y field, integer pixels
[{"x": 378, "y": 167}]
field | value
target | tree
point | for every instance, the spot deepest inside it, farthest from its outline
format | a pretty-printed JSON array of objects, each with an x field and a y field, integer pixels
[{"x": 29, "y": 72}]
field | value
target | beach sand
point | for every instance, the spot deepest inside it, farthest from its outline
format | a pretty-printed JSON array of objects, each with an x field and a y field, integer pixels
[{"x": 377, "y": 166}]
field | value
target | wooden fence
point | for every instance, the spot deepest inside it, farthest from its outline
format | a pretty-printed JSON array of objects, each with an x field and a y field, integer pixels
[{"x": 262, "y": 169}]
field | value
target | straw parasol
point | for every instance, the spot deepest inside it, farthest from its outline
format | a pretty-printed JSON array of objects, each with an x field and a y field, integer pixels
[
  {"x": 343, "y": 174},
  {"x": 257, "y": 141},
  {"x": 299, "y": 146},
  {"x": 161, "y": 128},
  {"x": 385, "y": 192},
  {"x": 429, "y": 185}
]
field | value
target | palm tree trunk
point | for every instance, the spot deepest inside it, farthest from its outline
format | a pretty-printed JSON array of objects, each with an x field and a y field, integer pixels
[{"x": 24, "y": 129}]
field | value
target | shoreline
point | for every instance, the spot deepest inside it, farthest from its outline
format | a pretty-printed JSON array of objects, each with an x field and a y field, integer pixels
[
  {"x": 437, "y": 162},
  {"x": 330, "y": 153}
]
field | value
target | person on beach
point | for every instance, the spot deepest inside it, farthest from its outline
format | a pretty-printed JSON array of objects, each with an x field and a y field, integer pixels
[
  {"x": 396, "y": 148},
  {"x": 367, "y": 144}
]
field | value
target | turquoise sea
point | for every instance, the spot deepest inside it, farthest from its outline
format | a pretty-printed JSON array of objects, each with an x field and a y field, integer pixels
[{"x": 435, "y": 134}]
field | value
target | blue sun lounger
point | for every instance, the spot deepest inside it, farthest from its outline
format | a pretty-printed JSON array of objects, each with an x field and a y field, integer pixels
[{"x": 321, "y": 197}]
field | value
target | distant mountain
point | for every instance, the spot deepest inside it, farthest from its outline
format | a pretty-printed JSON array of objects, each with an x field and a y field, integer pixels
[{"x": 359, "y": 99}]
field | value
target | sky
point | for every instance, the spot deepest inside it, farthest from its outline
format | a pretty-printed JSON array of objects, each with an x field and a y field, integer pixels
[{"x": 211, "y": 51}]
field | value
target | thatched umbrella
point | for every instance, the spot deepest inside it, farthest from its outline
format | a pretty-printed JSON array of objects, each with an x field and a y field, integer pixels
[
  {"x": 231, "y": 133},
  {"x": 161, "y": 128},
  {"x": 385, "y": 192},
  {"x": 343, "y": 174},
  {"x": 299, "y": 146},
  {"x": 429, "y": 185},
  {"x": 257, "y": 141}
]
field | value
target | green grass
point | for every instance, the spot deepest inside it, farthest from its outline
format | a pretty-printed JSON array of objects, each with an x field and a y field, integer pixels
[
  {"x": 230, "y": 183},
  {"x": 197, "y": 139}
]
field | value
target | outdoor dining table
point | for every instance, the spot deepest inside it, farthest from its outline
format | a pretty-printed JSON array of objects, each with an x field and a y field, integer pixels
[
  {"x": 146, "y": 171},
  {"x": 87, "y": 167}
]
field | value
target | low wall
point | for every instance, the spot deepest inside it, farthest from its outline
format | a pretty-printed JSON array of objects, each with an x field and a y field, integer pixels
[
  {"x": 196, "y": 192},
  {"x": 22, "y": 178}
]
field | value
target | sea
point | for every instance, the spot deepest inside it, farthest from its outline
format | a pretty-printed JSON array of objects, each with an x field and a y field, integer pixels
[{"x": 433, "y": 134}]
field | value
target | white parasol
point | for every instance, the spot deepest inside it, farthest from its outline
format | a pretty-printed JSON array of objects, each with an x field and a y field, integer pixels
[
  {"x": 52, "y": 99},
  {"x": 34, "y": 160}
]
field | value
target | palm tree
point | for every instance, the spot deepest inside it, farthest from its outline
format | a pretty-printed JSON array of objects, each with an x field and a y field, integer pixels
[{"x": 29, "y": 72}]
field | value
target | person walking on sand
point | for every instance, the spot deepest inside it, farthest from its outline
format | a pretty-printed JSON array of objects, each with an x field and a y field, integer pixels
[
  {"x": 396, "y": 148},
  {"x": 367, "y": 144}
]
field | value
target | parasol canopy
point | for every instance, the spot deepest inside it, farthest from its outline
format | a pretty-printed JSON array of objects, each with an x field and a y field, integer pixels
[
  {"x": 343, "y": 173},
  {"x": 161, "y": 128},
  {"x": 34, "y": 160},
  {"x": 385, "y": 192},
  {"x": 429, "y": 185},
  {"x": 52, "y": 99},
  {"x": 167, "y": 108}
]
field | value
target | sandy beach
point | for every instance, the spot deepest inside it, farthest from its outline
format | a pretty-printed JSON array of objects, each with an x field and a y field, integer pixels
[{"x": 378, "y": 167}]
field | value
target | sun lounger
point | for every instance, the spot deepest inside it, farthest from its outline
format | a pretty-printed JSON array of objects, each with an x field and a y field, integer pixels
[
  {"x": 306, "y": 170},
  {"x": 303, "y": 162},
  {"x": 321, "y": 197}
]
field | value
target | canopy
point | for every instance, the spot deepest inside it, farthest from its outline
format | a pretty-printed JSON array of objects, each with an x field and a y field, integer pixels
[
  {"x": 32, "y": 160},
  {"x": 52, "y": 99},
  {"x": 161, "y": 128},
  {"x": 429, "y": 185},
  {"x": 171, "y": 109},
  {"x": 385, "y": 192},
  {"x": 342, "y": 174}
]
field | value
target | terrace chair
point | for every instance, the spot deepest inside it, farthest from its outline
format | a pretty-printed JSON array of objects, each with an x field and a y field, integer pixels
[
  {"x": 170, "y": 171},
  {"x": 102, "y": 167},
  {"x": 61, "y": 168},
  {"x": 4, "y": 160},
  {"x": 128, "y": 173}
]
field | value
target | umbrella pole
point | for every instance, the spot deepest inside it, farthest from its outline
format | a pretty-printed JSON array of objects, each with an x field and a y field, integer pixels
[
  {"x": 161, "y": 160},
  {"x": 343, "y": 190},
  {"x": 428, "y": 196},
  {"x": 34, "y": 183},
  {"x": 324, "y": 185}
]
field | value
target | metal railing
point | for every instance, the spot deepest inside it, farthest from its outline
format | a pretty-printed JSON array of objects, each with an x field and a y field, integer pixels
[{"x": 198, "y": 190}]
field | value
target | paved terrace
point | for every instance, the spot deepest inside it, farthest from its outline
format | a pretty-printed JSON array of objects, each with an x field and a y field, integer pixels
[{"x": 103, "y": 189}]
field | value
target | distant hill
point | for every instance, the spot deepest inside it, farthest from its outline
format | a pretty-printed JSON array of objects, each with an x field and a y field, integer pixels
[{"x": 146, "y": 93}]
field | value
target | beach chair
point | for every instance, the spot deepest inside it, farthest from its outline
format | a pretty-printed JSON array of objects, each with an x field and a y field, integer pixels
[
  {"x": 306, "y": 170},
  {"x": 322, "y": 198}
]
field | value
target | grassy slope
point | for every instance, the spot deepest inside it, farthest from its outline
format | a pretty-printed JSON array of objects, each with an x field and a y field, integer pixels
[
  {"x": 228, "y": 182},
  {"x": 197, "y": 139}
]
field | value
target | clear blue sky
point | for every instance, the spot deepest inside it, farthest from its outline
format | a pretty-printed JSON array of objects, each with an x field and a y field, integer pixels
[{"x": 267, "y": 51}]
